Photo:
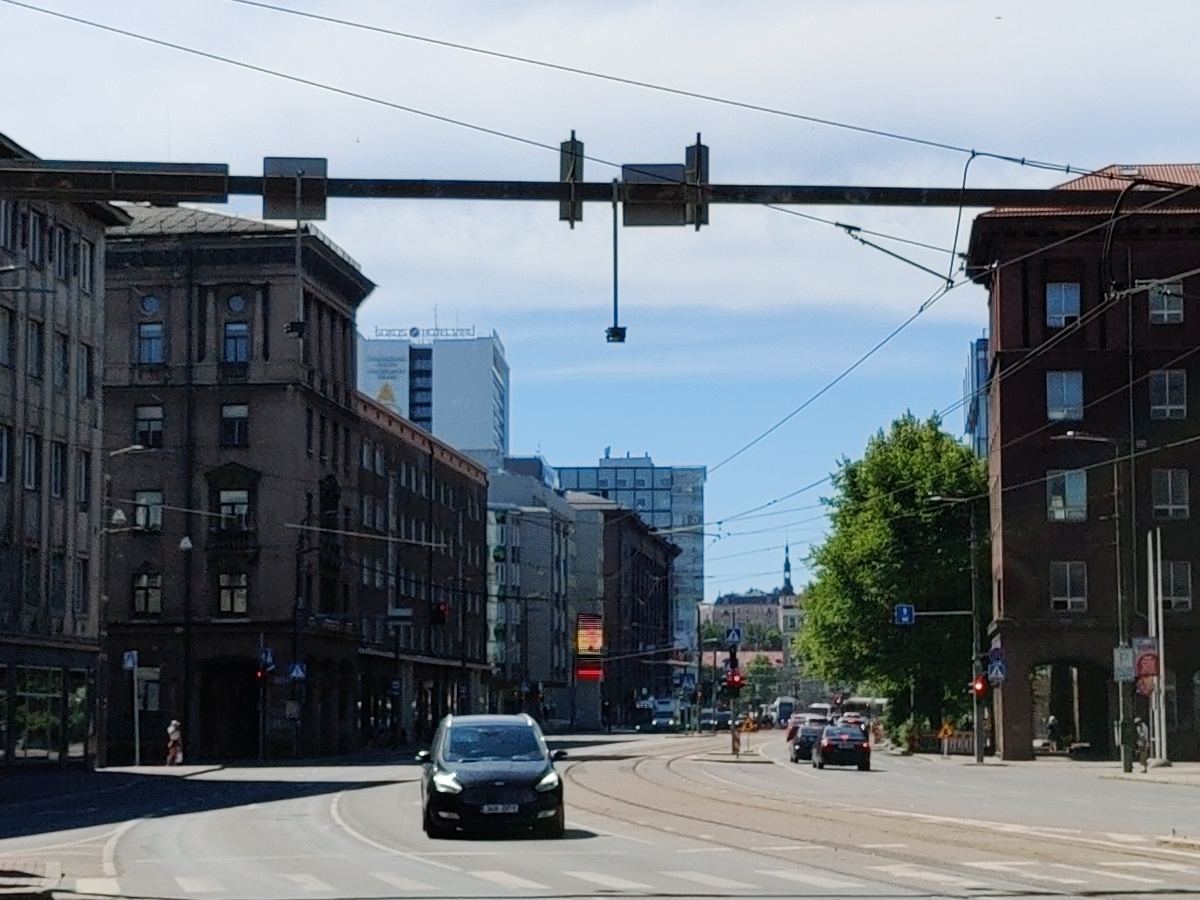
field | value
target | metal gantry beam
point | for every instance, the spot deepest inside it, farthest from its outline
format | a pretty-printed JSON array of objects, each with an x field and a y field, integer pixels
[{"x": 171, "y": 183}]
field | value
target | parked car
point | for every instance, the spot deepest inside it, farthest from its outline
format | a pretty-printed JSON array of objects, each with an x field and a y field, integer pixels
[
  {"x": 806, "y": 735},
  {"x": 842, "y": 745},
  {"x": 491, "y": 773},
  {"x": 708, "y": 720},
  {"x": 660, "y": 725}
]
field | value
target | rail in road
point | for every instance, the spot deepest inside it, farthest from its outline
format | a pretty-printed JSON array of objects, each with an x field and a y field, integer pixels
[{"x": 680, "y": 790}]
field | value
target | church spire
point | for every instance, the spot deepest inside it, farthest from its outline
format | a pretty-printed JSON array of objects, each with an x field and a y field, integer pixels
[{"x": 787, "y": 571}]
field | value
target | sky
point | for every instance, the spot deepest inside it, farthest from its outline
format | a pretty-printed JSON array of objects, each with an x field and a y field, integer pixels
[{"x": 731, "y": 329}]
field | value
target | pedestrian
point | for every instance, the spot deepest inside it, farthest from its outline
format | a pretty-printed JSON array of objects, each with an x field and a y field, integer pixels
[
  {"x": 174, "y": 744},
  {"x": 1052, "y": 735},
  {"x": 1143, "y": 742}
]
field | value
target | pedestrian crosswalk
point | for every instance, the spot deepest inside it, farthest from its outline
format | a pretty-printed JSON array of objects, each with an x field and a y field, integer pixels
[{"x": 417, "y": 880}]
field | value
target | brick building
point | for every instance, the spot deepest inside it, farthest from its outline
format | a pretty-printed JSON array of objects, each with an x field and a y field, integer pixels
[{"x": 1092, "y": 352}]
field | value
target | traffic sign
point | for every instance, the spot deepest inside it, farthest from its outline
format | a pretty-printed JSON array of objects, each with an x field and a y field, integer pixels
[
  {"x": 298, "y": 671},
  {"x": 996, "y": 654},
  {"x": 1123, "y": 664},
  {"x": 733, "y": 637},
  {"x": 396, "y": 686},
  {"x": 129, "y": 661},
  {"x": 906, "y": 614},
  {"x": 266, "y": 656},
  {"x": 997, "y": 671}
]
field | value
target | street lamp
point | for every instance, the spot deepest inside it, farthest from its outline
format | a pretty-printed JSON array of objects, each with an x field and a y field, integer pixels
[
  {"x": 1124, "y": 623},
  {"x": 976, "y": 636}
]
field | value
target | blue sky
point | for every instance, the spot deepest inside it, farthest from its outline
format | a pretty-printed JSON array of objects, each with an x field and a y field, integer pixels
[{"x": 730, "y": 328}]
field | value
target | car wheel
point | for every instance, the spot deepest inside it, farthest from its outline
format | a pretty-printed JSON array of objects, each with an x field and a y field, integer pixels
[
  {"x": 864, "y": 766},
  {"x": 555, "y": 827},
  {"x": 433, "y": 829}
]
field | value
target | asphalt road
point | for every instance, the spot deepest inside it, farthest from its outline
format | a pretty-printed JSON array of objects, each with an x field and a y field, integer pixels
[{"x": 656, "y": 816}]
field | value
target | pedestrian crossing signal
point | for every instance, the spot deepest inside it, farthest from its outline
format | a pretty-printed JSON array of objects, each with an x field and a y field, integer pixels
[
  {"x": 735, "y": 681},
  {"x": 440, "y": 611},
  {"x": 978, "y": 686}
]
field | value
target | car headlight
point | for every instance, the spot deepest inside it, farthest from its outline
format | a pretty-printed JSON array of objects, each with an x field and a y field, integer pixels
[
  {"x": 446, "y": 783},
  {"x": 549, "y": 782}
]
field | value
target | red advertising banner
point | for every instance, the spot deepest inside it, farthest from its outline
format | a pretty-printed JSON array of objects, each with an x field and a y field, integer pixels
[{"x": 589, "y": 647}]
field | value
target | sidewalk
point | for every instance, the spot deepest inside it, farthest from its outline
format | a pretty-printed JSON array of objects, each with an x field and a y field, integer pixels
[
  {"x": 26, "y": 785},
  {"x": 1186, "y": 774}
]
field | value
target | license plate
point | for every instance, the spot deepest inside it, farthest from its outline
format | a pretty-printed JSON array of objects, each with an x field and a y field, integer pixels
[{"x": 490, "y": 809}]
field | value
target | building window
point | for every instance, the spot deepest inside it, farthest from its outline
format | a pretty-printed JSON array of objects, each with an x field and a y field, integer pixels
[
  {"x": 79, "y": 584},
  {"x": 1169, "y": 493},
  {"x": 1168, "y": 394},
  {"x": 86, "y": 257},
  {"x": 234, "y": 591},
  {"x": 151, "y": 348},
  {"x": 1166, "y": 303},
  {"x": 62, "y": 253},
  {"x": 237, "y": 342},
  {"x": 1062, "y": 303},
  {"x": 308, "y": 432},
  {"x": 148, "y": 426},
  {"x": 380, "y": 460},
  {"x": 1066, "y": 495},
  {"x": 323, "y": 439},
  {"x": 83, "y": 479},
  {"x": 33, "y": 349},
  {"x": 62, "y": 358},
  {"x": 5, "y": 453},
  {"x": 1068, "y": 586},
  {"x": 1064, "y": 396},
  {"x": 83, "y": 372},
  {"x": 147, "y": 594},
  {"x": 1177, "y": 585},
  {"x": 8, "y": 337},
  {"x": 368, "y": 455},
  {"x": 235, "y": 425},
  {"x": 31, "y": 464},
  {"x": 58, "y": 468},
  {"x": 8, "y": 224},
  {"x": 37, "y": 240},
  {"x": 235, "y": 510},
  {"x": 148, "y": 510},
  {"x": 150, "y": 689},
  {"x": 368, "y": 514}
]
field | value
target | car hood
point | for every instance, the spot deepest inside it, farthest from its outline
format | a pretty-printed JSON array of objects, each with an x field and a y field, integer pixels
[{"x": 471, "y": 772}]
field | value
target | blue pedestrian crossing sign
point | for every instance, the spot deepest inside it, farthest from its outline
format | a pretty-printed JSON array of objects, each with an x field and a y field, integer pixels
[
  {"x": 997, "y": 671},
  {"x": 298, "y": 671},
  {"x": 906, "y": 614},
  {"x": 733, "y": 637}
]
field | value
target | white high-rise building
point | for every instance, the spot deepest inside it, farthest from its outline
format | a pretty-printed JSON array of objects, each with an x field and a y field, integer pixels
[
  {"x": 669, "y": 499},
  {"x": 446, "y": 380}
]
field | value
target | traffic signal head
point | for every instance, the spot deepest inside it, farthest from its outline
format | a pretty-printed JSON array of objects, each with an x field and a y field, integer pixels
[
  {"x": 440, "y": 610},
  {"x": 736, "y": 682},
  {"x": 260, "y": 673},
  {"x": 978, "y": 686}
]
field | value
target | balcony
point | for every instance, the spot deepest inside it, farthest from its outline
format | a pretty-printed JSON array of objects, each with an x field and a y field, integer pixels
[{"x": 226, "y": 538}]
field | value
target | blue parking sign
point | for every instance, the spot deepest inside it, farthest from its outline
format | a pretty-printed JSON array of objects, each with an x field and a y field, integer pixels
[{"x": 906, "y": 614}]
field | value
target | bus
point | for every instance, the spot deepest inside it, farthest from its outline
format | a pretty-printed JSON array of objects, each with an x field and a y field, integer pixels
[
  {"x": 871, "y": 708},
  {"x": 781, "y": 710}
]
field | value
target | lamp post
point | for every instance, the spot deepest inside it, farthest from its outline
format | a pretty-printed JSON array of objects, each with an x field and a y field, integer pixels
[
  {"x": 1124, "y": 610},
  {"x": 976, "y": 634}
]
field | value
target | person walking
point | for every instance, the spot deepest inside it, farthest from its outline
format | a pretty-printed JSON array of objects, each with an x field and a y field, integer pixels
[
  {"x": 1052, "y": 735},
  {"x": 174, "y": 744},
  {"x": 1142, "y": 732}
]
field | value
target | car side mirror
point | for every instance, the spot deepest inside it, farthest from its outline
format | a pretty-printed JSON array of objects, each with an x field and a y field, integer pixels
[
  {"x": 424, "y": 756},
  {"x": 558, "y": 754}
]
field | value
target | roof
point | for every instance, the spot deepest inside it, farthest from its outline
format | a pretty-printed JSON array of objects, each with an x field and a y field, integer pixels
[{"x": 1162, "y": 178}]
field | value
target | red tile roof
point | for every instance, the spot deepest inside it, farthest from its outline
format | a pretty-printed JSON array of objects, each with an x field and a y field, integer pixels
[{"x": 1165, "y": 178}]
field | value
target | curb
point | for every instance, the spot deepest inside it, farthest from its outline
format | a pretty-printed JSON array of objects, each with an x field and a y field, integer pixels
[
  {"x": 1178, "y": 843},
  {"x": 1146, "y": 778}
]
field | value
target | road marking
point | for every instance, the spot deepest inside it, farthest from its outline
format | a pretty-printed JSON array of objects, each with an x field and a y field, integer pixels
[
  {"x": 106, "y": 887},
  {"x": 359, "y": 836},
  {"x": 197, "y": 884},
  {"x": 609, "y": 881},
  {"x": 708, "y": 880},
  {"x": 881, "y": 846},
  {"x": 508, "y": 880},
  {"x": 1019, "y": 867},
  {"x": 906, "y": 870},
  {"x": 400, "y": 883},
  {"x": 793, "y": 847},
  {"x": 821, "y": 881},
  {"x": 1156, "y": 866},
  {"x": 1122, "y": 875},
  {"x": 1126, "y": 838},
  {"x": 306, "y": 882},
  {"x": 110, "y": 847},
  {"x": 704, "y": 850}
]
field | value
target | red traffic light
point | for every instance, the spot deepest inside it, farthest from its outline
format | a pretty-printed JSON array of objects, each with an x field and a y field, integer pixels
[
  {"x": 978, "y": 686},
  {"x": 736, "y": 678}
]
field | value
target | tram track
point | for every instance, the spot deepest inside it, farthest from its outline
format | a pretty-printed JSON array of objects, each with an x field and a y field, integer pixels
[{"x": 806, "y": 823}]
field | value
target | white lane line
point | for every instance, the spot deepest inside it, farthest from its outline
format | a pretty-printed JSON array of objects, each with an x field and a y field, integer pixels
[
  {"x": 110, "y": 847},
  {"x": 508, "y": 880},
  {"x": 609, "y": 881},
  {"x": 1121, "y": 838},
  {"x": 882, "y": 846},
  {"x": 197, "y": 884},
  {"x": 707, "y": 880},
  {"x": 306, "y": 882},
  {"x": 792, "y": 847},
  {"x": 1020, "y": 868},
  {"x": 400, "y": 883},
  {"x": 907, "y": 870},
  {"x": 359, "y": 836},
  {"x": 1121, "y": 875},
  {"x": 106, "y": 887},
  {"x": 821, "y": 881},
  {"x": 1156, "y": 866},
  {"x": 704, "y": 850}
]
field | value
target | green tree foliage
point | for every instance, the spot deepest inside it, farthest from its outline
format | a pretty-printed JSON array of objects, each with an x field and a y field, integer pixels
[
  {"x": 889, "y": 543},
  {"x": 761, "y": 680}
]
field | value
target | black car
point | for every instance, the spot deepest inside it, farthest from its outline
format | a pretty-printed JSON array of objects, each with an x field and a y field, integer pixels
[
  {"x": 842, "y": 745},
  {"x": 491, "y": 773},
  {"x": 806, "y": 735}
]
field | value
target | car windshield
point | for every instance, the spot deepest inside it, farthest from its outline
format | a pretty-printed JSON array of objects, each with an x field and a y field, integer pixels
[{"x": 478, "y": 742}]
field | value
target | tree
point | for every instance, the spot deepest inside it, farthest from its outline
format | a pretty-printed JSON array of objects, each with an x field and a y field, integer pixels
[
  {"x": 762, "y": 678},
  {"x": 889, "y": 543}
]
